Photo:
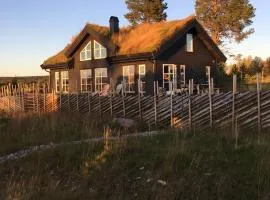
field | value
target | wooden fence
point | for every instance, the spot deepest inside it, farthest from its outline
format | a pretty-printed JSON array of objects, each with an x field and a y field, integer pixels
[{"x": 249, "y": 109}]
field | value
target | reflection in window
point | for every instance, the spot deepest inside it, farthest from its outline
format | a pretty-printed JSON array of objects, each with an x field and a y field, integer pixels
[
  {"x": 128, "y": 78},
  {"x": 99, "y": 51},
  {"x": 86, "y": 53},
  {"x": 86, "y": 80},
  {"x": 101, "y": 79}
]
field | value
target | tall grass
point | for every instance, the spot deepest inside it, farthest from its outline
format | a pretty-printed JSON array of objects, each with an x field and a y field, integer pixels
[{"x": 201, "y": 166}]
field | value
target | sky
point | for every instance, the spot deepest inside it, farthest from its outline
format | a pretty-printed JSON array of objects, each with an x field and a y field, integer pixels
[{"x": 33, "y": 30}]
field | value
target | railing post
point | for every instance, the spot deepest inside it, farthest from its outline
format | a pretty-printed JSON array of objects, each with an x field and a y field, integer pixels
[{"x": 259, "y": 106}]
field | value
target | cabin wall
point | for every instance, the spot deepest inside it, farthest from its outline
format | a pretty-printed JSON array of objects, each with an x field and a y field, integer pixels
[
  {"x": 195, "y": 61},
  {"x": 116, "y": 74}
]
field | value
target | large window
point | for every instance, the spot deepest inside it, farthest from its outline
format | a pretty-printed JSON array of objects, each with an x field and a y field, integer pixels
[
  {"x": 65, "y": 81},
  {"x": 99, "y": 51},
  {"x": 128, "y": 78},
  {"x": 86, "y": 53},
  {"x": 101, "y": 77},
  {"x": 142, "y": 78},
  {"x": 86, "y": 80},
  {"x": 189, "y": 43},
  {"x": 169, "y": 77},
  {"x": 57, "y": 82}
]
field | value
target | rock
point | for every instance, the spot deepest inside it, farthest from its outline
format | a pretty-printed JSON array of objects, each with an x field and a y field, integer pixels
[
  {"x": 162, "y": 182},
  {"x": 141, "y": 168},
  {"x": 126, "y": 123}
]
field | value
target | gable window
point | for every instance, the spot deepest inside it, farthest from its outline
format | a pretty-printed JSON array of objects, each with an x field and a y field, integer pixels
[
  {"x": 57, "y": 82},
  {"x": 99, "y": 51},
  {"x": 86, "y": 53},
  {"x": 64, "y": 81},
  {"x": 189, "y": 43},
  {"x": 128, "y": 78},
  {"x": 101, "y": 77},
  {"x": 169, "y": 77},
  {"x": 142, "y": 78},
  {"x": 86, "y": 80}
]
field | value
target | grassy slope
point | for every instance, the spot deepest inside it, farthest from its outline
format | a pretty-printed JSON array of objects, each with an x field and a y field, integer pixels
[{"x": 205, "y": 166}]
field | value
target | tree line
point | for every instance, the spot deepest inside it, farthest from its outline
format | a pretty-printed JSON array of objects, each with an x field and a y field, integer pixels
[{"x": 250, "y": 66}]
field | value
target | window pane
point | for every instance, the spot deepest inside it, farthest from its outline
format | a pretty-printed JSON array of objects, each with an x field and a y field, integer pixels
[{"x": 189, "y": 42}]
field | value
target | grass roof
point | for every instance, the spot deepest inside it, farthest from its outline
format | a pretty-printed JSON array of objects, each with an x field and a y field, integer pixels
[{"x": 147, "y": 37}]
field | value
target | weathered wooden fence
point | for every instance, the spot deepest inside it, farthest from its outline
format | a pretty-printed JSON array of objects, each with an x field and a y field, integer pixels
[
  {"x": 249, "y": 109},
  {"x": 220, "y": 110}
]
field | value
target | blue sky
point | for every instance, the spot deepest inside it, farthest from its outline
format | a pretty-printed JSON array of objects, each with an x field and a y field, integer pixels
[{"x": 32, "y": 30}]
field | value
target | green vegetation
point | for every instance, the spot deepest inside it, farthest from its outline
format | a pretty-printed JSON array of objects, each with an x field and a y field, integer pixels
[
  {"x": 172, "y": 165},
  {"x": 226, "y": 20},
  {"x": 141, "y": 11}
]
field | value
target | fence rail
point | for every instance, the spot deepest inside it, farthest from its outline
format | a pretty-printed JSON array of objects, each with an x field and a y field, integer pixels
[{"x": 249, "y": 109}]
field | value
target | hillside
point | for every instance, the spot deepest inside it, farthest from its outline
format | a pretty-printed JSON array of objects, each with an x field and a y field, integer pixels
[
  {"x": 172, "y": 165},
  {"x": 24, "y": 79}
]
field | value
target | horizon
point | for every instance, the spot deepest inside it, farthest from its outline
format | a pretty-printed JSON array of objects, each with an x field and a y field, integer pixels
[{"x": 33, "y": 31}]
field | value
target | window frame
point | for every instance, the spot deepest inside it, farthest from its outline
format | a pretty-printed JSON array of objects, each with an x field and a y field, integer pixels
[
  {"x": 57, "y": 81},
  {"x": 183, "y": 75},
  {"x": 142, "y": 76},
  {"x": 99, "y": 85},
  {"x": 85, "y": 51},
  {"x": 128, "y": 85},
  {"x": 169, "y": 73},
  {"x": 100, "y": 49},
  {"x": 86, "y": 83},
  {"x": 64, "y": 81},
  {"x": 189, "y": 43}
]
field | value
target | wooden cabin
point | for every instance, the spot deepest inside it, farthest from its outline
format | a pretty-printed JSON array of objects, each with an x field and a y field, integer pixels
[{"x": 165, "y": 52}]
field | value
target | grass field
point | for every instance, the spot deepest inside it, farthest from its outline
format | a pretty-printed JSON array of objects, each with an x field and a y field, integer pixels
[{"x": 173, "y": 165}]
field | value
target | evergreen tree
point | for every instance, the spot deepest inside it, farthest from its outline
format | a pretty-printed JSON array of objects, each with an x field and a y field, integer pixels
[
  {"x": 226, "y": 19},
  {"x": 146, "y": 11},
  {"x": 267, "y": 66}
]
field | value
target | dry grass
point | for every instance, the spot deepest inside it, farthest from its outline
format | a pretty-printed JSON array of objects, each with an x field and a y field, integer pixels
[{"x": 149, "y": 37}]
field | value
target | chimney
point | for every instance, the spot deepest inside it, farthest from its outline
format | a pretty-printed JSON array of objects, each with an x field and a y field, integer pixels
[{"x": 114, "y": 25}]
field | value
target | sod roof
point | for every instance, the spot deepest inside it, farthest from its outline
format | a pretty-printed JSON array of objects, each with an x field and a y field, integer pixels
[{"x": 144, "y": 38}]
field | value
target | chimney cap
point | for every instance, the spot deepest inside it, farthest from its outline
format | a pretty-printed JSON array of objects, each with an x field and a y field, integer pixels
[{"x": 114, "y": 18}]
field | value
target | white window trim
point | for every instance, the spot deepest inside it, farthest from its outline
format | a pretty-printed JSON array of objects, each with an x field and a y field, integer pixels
[
  {"x": 85, "y": 52},
  {"x": 129, "y": 83},
  {"x": 57, "y": 79},
  {"x": 100, "y": 51},
  {"x": 189, "y": 38},
  {"x": 86, "y": 77},
  {"x": 174, "y": 82},
  {"x": 208, "y": 73},
  {"x": 63, "y": 84},
  {"x": 142, "y": 74},
  {"x": 100, "y": 77}
]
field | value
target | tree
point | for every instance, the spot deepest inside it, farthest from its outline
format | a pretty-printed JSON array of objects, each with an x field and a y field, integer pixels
[
  {"x": 146, "y": 11},
  {"x": 267, "y": 66},
  {"x": 256, "y": 65},
  {"x": 226, "y": 19}
]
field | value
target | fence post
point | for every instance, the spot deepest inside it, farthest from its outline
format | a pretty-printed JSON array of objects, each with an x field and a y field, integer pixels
[
  {"x": 139, "y": 99},
  {"x": 99, "y": 105},
  {"x": 210, "y": 101},
  {"x": 60, "y": 101},
  {"x": 171, "y": 102},
  {"x": 123, "y": 100},
  {"x": 111, "y": 92},
  {"x": 259, "y": 107},
  {"x": 189, "y": 105},
  {"x": 233, "y": 103},
  {"x": 89, "y": 103},
  {"x": 44, "y": 98},
  {"x": 155, "y": 102}
]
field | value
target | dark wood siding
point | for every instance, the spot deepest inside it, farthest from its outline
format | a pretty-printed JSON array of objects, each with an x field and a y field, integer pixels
[{"x": 195, "y": 61}]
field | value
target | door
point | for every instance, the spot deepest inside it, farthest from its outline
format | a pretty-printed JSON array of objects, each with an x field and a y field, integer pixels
[{"x": 169, "y": 77}]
